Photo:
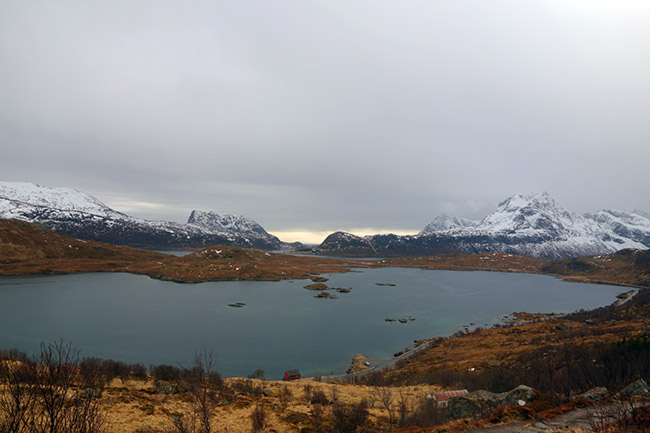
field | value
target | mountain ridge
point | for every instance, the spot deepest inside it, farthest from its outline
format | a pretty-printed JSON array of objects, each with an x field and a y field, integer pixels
[
  {"x": 74, "y": 213},
  {"x": 527, "y": 224}
]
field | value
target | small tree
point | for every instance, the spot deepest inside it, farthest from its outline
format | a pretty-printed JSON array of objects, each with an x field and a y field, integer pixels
[
  {"x": 204, "y": 386},
  {"x": 385, "y": 395}
]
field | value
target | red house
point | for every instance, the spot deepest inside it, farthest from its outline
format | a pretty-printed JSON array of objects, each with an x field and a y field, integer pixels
[{"x": 291, "y": 375}]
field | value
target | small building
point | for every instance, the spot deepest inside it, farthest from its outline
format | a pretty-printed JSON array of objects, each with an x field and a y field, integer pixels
[
  {"x": 291, "y": 375},
  {"x": 442, "y": 397}
]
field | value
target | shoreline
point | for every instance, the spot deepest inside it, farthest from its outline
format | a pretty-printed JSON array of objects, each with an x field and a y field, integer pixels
[{"x": 379, "y": 364}]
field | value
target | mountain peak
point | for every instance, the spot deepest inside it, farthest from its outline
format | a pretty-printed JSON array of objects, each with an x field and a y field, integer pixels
[
  {"x": 445, "y": 222},
  {"x": 81, "y": 215},
  {"x": 65, "y": 199},
  {"x": 214, "y": 222},
  {"x": 540, "y": 199}
]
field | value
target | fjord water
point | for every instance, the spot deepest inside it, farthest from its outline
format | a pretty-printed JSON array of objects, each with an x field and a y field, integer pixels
[{"x": 137, "y": 319}]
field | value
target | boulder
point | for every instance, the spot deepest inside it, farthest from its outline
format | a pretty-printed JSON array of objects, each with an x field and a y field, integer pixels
[
  {"x": 596, "y": 394},
  {"x": 522, "y": 392},
  {"x": 90, "y": 393},
  {"x": 467, "y": 406},
  {"x": 638, "y": 388},
  {"x": 462, "y": 407},
  {"x": 165, "y": 387}
]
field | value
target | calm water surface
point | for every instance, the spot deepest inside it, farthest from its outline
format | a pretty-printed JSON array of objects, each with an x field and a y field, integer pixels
[{"x": 137, "y": 319}]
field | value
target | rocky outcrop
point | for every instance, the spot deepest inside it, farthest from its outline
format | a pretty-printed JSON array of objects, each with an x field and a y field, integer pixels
[
  {"x": 635, "y": 389},
  {"x": 165, "y": 387},
  {"x": 474, "y": 402},
  {"x": 595, "y": 394}
]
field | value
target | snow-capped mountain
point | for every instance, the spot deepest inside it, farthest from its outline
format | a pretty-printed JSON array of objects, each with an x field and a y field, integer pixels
[
  {"x": 446, "y": 222},
  {"x": 533, "y": 225},
  {"x": 633, "y": 225},
  {"x": 18, "y": 198},
  {"x": 77, "y": 214},
  {"x": 212, "y": 222}
]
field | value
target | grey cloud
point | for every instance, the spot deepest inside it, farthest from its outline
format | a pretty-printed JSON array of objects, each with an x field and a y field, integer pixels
[{"x": 329, "y": 114}]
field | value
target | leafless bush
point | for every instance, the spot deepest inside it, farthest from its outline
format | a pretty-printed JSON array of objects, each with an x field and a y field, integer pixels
[
  {"x": 317, "y": 422},
  {"x": 307, "y": 390},
  {"x": 91, "y": 373},
  {"x": 385, "y": 395},
  {"x": 319, "y": 397},
  {"x": 285, "y": 395},
  {"x": 259, "y": 418},
  {"x": 41, "y": 396},
  {"x": 622, "y": 417},
  {"x": 403, "y": 409},
  {"x": 203, "y": 386},
  {"x": 334, "y": 394},
  {"x": 17, "y": 401},
  {"x": 426, "y": 414},
  {"x": 350, "y": 419}
]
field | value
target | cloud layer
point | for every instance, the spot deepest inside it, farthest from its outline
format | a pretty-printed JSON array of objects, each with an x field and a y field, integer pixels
[{"x": 314, "y": 116}]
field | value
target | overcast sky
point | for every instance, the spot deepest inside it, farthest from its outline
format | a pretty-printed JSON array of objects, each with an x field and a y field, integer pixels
[{"x": 314, "y": 116}]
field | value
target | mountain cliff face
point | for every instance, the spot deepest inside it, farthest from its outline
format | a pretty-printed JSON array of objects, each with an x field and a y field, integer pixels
[
  {"x": 532, "y": 225},
  {"x": 77, "y": 214}
]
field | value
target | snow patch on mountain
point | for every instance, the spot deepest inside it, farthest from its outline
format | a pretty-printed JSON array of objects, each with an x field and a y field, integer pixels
[
  {"x": 535, "y": 224},
  {"x": 75, "y": 213},
  {"x": 633, "y": 225},
  {"x": 527, "y": 224},
  {"x": 446, "y": 222},
  {"x": 15, "y": 196},
  {"x": 212, "y": 222}
]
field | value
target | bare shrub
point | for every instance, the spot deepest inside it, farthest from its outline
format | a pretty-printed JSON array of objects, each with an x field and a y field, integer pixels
[
  {"x": 259, "y": 418},
  {"x": 91, "y": 373},
  {"x": 317, "y": 422},
  {"x": 204, "y": 384},
  {"x": 426, "y": 414},
  {"x": 18, "y": 399},
  {"x": 350, "y": 419},
  {"x": 165, "y": 372},
  {"x": 41, "y": 397},
  {"x": 385, "y": 395},
  {"x": 307, "y": 389},
  {"x": 285, "y": 395},
  {"x": 319, "y": 397}
]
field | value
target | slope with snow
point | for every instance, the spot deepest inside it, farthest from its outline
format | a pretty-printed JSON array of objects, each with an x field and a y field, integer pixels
[
  {"x": 446, "y": 222},
  {"x": 533, "y": 225},
  {"x": 77, "y": 214},
  {"x": 633, "y": 225}
]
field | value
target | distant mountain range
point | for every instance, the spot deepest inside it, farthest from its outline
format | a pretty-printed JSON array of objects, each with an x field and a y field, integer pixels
[
  {"x": 77, "y": 214},
  {"x": 532, "y": 225}
]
